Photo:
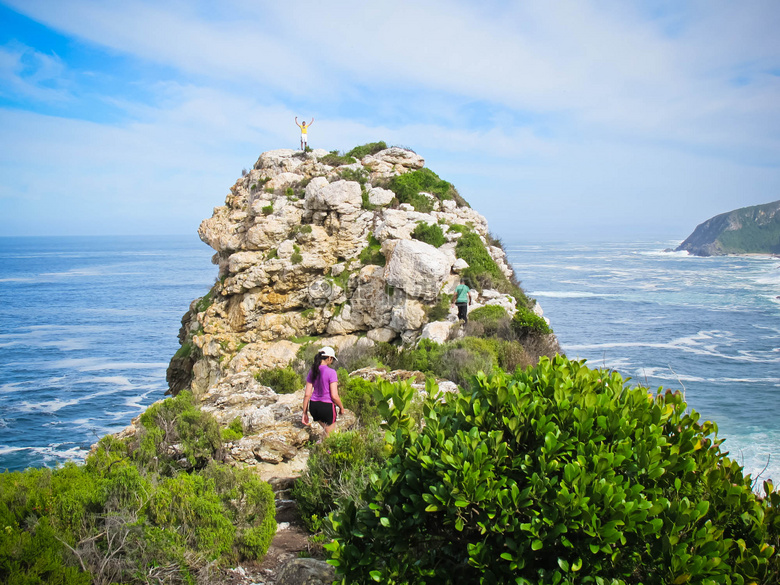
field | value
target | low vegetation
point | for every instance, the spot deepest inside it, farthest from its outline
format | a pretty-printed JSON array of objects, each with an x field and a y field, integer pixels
[
  {"x": 280, "y": 380},
  {"x": 554, "y": 474},
  {"x": 366, "y": 149},
  {"x": 157, "y": 509},
  {"x": 408, "y": 188},
  {"x": 429, "y": 233},
  {"x": 372, "y": 254}
]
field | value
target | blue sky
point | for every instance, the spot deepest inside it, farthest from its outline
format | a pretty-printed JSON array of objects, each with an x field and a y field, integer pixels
[{"x": 557, "y": 120}]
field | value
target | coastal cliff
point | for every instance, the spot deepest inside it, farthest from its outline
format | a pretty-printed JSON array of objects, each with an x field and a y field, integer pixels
[
  {"x": 748, "y": 230},
  {"x": 337, "y": 250},
  {"x": 361, "y": 252}
]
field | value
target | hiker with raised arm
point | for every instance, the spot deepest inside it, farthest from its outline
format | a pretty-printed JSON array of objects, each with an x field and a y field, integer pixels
[{"x": 304, "y": 132}]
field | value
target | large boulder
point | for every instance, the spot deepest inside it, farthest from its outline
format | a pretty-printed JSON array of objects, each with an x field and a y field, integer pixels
[
  {"x": 340, "y": 196},
  {"x": 418, "y": 269}
]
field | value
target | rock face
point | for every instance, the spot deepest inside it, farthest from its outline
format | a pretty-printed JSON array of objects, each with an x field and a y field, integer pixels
[
  {"x": 749, "y": 230},
  {"x": 306, "y": 250}
]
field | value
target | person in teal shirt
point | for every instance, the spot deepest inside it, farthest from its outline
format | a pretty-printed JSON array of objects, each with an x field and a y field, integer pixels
[{"x": 462, "y": 300}]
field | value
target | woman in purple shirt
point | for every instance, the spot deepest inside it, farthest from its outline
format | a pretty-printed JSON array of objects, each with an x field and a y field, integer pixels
[{"x": 322, "y": 391}]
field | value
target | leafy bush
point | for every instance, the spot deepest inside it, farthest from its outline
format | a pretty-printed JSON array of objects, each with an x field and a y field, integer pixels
[
  {"x": 441, "y": 309},
  {"x": 525, "y": 322},
  {"x": 357, "y": 395},
  {"x": 357, "y": 175},
  {"x": 372, "y": 254},
  {"x": 115, "y": 519},
  {"x": 334, "y": 159},
  {"x": 557, "y": 474},
  {"x": 429, "y": 233},
  {"x": 175, "y": 434},
  {"x": 407, "y": 188},
  {"x": 283, "y": 380},
  {"x": 268, "y": 209},
  {"x": 337, "y": 469},
  {"x": 204, "y": 302},
  {"x": 296, "y": 257},
  {"x": 234, "y": 431},
  {"x": 493, "y": 319},
  {"x": 370, "y": 148}
]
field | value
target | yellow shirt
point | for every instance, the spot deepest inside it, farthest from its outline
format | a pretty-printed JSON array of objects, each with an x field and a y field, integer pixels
[{"x": 304, "y": 129}]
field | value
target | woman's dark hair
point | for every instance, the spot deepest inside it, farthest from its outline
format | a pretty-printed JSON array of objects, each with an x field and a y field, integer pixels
[{"x": 315, "y": 367}]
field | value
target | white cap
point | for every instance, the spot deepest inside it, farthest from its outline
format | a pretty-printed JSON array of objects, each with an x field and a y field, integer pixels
[{"x": 328, "y": 351}]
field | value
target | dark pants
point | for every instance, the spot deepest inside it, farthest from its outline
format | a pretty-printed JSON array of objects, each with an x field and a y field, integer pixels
[{"x": 463, "y": 311}]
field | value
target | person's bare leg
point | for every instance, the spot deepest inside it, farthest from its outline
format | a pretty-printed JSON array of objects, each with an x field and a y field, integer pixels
[{"x": 328, "y": 428}]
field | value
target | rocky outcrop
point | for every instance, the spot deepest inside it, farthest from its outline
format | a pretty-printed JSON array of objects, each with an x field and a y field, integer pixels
[
  {"x": 308, "y": 250},
  {"x": 749, "y": 230}
]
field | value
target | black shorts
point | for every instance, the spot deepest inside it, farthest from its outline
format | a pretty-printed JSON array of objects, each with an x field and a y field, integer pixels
[
  {"x": 463, "y": 311},
  {"x": 323, "y": 412}
]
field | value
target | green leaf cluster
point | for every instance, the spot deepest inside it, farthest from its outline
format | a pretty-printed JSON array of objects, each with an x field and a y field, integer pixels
[
  {"x": 369, "y": 148},
  {"x": 177, "y": 422},
  {"x": 525, "y": 322},
  {"x": 282, "y": 380},
  {"x": 127, "y": 517},
  {"x": 556, "y": 474},
  {"x": 372, "y": 254},
  {"x": 337, "y": 470},
  {"x": 334, "y": 159},
  {"x": 429, "y": 233},
  {"x": 407, "y": 189}
]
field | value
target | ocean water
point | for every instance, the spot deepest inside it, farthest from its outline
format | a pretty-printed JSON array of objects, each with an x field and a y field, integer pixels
[
  {"x": 88, "y": 326},
  {"x": 709, "y": 327}
]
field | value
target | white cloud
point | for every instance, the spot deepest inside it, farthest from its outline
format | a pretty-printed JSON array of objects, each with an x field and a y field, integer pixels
[{"x": 27, "y": 73}]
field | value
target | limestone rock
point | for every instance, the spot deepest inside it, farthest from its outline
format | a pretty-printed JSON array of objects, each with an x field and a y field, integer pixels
[
  {"x": 341, "y": 196},
  {"x": 418, "y": 269},
  {"x": 306, "y": 572},
  {"x": 379, "y": 196},
  {"x": 438, "y": 331}
]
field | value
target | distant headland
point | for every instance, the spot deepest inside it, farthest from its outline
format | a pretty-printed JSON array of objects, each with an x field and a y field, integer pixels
[{"x": 748, "y": 230}]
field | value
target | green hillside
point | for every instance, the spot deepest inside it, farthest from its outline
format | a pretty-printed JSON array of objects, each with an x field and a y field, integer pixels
[{"x": 749, "y": 230}]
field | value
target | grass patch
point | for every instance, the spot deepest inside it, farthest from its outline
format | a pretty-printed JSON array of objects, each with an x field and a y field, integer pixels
[
  {"x": 369, "y": 148},
  {"x": 281, "y": 380},
  {"x": 407, "y": 189},
  {"x": 334, "y": 159},
  {"x": 372, "y": 254},
  {"x": 429, "y": 233}
]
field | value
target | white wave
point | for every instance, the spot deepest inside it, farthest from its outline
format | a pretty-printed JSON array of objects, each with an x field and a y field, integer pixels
[
  {"x": 690, "y": 344},
  {"x": 52, "y": 406},
  {"x": 569, "y": 294},
  {"x": 665, "y": 253}
]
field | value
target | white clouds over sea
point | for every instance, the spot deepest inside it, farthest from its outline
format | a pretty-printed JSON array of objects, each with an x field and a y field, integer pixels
[{"x": 574, "y": 117}]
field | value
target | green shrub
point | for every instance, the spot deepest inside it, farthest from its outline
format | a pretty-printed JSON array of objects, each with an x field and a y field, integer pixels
[
  {"x": 372, "y": 254},
  {"x": 525, "y": 322},
  {"x": 357, "y": 395},
  {"x": 557, "y": 474},
  {"x": 337, "y": 469},
  {"x": 234, "y": 431},
  {"x": 112, "y": 521},
  {"x": 283, "y": 380},
  {"x": 370, "y": 148},
  {"x": 357, "y": 175},
  {"x": 407, "y": 188},
  {"x": 187, "y": 350},
  {"x": 334, "y": 159},
  {"x": 204, "y": 302},
  {"x": 268, "y": 209},
  {"x": 429, "y": 233},
  {"x": 441, "y": 309},
  {"x": 296, "y": 257},
  {"x": 175, "y": 434}
]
